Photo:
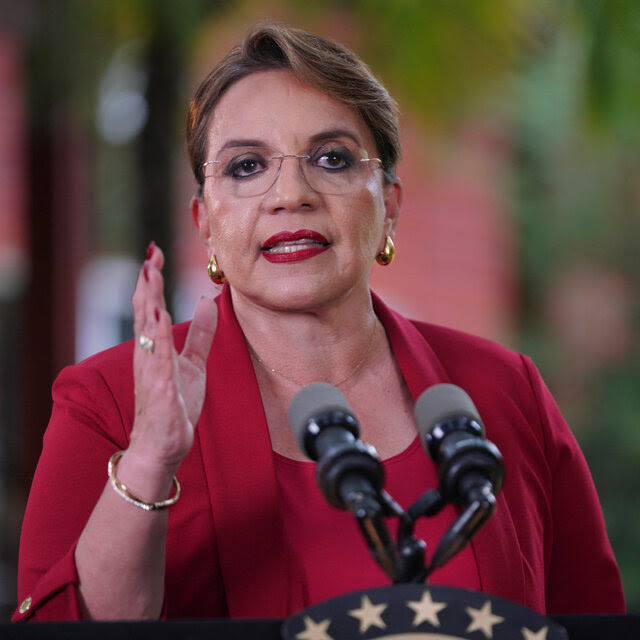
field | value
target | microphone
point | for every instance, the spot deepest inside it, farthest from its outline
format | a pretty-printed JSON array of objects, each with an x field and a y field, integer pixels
[
  {"x": 470, "y": 468},
  {"x": 349, "y": 472}
]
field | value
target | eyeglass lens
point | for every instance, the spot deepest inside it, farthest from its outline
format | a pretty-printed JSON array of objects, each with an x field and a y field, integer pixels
[{"x": 333, "y": 168}]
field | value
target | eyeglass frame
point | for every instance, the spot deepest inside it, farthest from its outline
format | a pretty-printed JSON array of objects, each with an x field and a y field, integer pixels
[{"x": 300, "y": 157}]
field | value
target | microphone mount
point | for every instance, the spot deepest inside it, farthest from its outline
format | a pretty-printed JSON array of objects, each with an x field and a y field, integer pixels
[{"x": 350, "y": 475}]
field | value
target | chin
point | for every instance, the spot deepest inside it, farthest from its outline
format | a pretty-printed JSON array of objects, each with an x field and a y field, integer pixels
[
  {"x": 298, "y": 298},
  {"x": 308, "y": 295}
]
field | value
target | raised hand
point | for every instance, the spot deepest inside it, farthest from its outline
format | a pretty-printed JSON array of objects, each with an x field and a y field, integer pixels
[{"x": 169, "y": 386}]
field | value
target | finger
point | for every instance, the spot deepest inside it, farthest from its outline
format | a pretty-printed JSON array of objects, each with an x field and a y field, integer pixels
[
  {"x": 148, "y": 297},
  {"x": 154, "y": 283},
  {"x": 200, "y": 335},
  {"x": 138, "y": 300},
  {"x": 162, "y": 362},
  {"x": 154, "y": 369},
  {"x": 155, "y": 256},
  {"x": 148, "y": 301},
  {"x": 150, "y": 285}
]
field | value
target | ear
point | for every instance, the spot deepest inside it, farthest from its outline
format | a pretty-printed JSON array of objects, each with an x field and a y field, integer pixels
[
  {"x": 201, "y": 220},
  {"x": 392, "y": 203}
]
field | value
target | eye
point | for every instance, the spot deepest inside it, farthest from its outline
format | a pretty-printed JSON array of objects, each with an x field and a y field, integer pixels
[
  {"x": 245, "y": 166},
  {"x": 335, "y": 157}
]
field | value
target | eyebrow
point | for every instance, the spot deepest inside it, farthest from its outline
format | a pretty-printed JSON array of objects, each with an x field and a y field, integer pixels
[
  {"x": 334, "y": 133},
  {"x": 317, "y": 137},
  {"x": 240, "y": 142}
]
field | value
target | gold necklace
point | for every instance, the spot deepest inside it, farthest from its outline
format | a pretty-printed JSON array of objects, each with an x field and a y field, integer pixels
[{"x": 337, "y": 384}]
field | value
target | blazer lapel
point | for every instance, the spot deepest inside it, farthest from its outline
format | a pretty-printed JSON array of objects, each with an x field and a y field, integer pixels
[
  {"x": 495, "y": 547},
  {"x": 238, "y": 462}
]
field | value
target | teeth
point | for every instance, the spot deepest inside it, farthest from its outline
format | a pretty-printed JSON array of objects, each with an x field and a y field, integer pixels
[{"x": 291, "y": 247}]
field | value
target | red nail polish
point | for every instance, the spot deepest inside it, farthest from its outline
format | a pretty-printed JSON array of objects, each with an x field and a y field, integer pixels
[
  {"x": 145, "y": 272},
  {"x": 150, "y": 248},
  {"x": 157, "y": 314}
]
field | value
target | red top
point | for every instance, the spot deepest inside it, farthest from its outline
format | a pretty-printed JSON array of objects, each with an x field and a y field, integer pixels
[
  {"x": 232, "y": 547},
  {"x": 327, "y": 541}
]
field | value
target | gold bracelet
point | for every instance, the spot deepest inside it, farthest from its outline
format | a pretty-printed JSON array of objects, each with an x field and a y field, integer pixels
[{"x": 123, "y": 492}]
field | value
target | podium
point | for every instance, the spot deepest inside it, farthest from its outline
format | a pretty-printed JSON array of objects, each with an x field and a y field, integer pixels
[
  {"x": 398, "y": 612},
  {"x": 582, "y": 627}
]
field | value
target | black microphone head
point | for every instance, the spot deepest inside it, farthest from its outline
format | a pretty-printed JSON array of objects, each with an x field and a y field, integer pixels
[
  {"x": 442, "y": 402},
  {"x": 310, "y": 402}
]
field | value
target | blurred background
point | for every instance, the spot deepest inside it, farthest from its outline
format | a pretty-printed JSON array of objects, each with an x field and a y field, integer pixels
[{"x": 521, "y": 221}]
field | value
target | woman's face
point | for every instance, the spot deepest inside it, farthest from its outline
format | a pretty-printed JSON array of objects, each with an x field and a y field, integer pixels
[{"x": 291, "y": 247}]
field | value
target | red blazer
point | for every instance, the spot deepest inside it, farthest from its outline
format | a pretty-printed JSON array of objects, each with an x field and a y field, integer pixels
[{"x": 546, "y": 546}]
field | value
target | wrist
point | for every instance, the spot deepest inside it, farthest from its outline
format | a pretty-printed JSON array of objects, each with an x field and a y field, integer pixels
[
  {"x": 141, "y": 477},
  {"x": 126, "y": 494}
]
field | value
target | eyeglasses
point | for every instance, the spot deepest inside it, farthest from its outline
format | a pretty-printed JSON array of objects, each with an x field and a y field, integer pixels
[{"x": 334, "y": 168}]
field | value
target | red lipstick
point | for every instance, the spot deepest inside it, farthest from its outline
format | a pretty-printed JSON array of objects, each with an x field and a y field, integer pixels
[{"x": 287, "y": 246}]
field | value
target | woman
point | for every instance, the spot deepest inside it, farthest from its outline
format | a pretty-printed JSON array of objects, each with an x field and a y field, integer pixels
[{"x": 293, "y": 143}]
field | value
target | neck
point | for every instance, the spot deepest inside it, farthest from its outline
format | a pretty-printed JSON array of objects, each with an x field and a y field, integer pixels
[{"x": 330, "y": 344}]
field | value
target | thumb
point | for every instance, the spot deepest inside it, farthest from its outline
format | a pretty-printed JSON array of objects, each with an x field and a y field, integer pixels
[{"x": 201, "y": 332}]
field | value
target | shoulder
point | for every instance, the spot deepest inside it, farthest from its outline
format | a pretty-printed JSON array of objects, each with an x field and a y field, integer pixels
[
  {"x": 457, "y": 354},
  {"x": 122, "y": 354},
  {"x": 493, "y": 375},
  {"x": 98, "y": 392},
  {"x": 111, "y": 369},
  {"x": 459, "y": 351},
  {"x": 504, "y": 384}
]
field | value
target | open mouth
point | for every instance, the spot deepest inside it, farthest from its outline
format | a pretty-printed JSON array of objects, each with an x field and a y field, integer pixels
[{"x": 291, "y": 247}]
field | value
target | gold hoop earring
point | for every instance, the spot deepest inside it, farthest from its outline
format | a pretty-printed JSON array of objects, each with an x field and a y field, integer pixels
[
  {"x": 386, "y": 256},
  {"x": 215, "y": 273}
]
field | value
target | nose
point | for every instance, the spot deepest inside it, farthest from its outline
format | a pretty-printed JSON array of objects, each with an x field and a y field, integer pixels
[{"x": 290, "y": 190}]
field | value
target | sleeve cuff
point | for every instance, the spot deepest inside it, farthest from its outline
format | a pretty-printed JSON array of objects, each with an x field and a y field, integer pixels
[{"x": 55, "y": 595}]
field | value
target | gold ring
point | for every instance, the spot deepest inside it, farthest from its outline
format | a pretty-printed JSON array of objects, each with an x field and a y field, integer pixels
[{"x": 147, "y": 344}]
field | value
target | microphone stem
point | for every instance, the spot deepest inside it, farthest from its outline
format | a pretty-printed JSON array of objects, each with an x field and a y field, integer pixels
[
  {"x": 381, "y": 545},
  {"x": 464, "y": 527},
  {"x": 367, "y": 509}
]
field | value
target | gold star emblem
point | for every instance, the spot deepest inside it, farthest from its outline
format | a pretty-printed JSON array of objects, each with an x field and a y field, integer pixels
[
  {"x": 369, "y": 614},
  {"x": 527, "y": 634},
  {"x": 426, "y": 610},
  {"x": 483, "y": 620},
  {"x": 315, "y": 630}
]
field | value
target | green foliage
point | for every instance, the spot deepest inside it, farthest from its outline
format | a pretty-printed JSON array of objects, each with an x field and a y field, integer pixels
[
  {"x": 437, "y": 57},
  {"x": 612, "y": 447},
  {"x": 577, "y": 118}
]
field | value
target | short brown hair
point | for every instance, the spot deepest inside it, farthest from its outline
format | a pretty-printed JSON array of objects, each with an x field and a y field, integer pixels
[{"x": 324, "y": 64}]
